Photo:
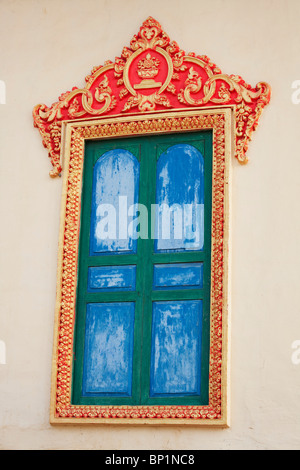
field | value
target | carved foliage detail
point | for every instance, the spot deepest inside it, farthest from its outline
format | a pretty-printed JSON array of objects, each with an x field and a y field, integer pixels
[{"x": 154, "y": 74}]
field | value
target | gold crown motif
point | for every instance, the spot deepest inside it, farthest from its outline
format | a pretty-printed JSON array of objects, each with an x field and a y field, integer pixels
[
  {"x": 148, "y": 67},
  {"x": 147, "y": 70}
]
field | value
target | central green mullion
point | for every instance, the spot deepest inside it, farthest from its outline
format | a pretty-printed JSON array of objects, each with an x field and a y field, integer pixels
[
  {"x": 141, "y": 284},
  {"x": 149, "y": 155}
]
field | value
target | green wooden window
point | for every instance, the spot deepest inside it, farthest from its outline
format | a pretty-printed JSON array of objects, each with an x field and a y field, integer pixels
[{"x": 143, "y": 296}]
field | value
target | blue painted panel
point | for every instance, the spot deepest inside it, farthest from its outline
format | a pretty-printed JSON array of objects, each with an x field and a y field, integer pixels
[
  {"x": 176, "y": 348},
  {"x": 115, "y": 190},
  {"x": 108, "y": 349},
  {"x": 180, "y": 275},
  {"x": 179, "y": 222},
  {"x": 111, "y": 278}
]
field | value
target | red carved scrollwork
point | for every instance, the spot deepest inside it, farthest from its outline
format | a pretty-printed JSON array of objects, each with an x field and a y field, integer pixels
[{"x": 153, "y": 74}]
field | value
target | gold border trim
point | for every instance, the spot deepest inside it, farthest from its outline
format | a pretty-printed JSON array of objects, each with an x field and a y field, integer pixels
[{"x": 75, "y": 133}]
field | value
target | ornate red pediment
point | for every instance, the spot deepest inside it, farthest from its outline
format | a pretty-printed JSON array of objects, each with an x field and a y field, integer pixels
[{"x": 153, "y": 74}]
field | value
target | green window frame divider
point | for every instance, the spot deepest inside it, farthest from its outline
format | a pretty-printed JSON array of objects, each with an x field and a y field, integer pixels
[{"x": 147, "y": 150}]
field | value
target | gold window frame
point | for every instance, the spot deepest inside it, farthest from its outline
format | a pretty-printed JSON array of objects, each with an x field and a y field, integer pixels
[{"x": 74, "y": 134}]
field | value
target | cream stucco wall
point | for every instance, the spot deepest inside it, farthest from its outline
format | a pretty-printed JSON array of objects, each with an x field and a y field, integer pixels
[{"x": 49, "y": 46}]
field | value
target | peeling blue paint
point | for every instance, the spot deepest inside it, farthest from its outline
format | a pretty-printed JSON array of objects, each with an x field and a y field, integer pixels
[
  {"x": 111, "y": 278},
  {"x": 176, "y": 348},
  {"x": 115, "y": 181},
  {"x": 179, "y": 275},
  {"x": 108, "y": 349},
  {"x": 180, "y": 198}
]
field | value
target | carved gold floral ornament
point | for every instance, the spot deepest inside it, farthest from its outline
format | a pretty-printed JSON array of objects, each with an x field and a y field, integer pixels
[{"x": 154, "y": 74}]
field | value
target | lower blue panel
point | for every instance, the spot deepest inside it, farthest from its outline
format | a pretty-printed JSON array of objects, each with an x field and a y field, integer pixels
[
  {"x": 108, "y": 349},
  {"x": 176, "y": 348}
]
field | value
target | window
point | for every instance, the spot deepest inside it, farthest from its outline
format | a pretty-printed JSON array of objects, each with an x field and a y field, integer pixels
[
  {"x": 155, "y": 295},
  {"x": 152, "y": 285},
  {"x": 143, "y": 296}
]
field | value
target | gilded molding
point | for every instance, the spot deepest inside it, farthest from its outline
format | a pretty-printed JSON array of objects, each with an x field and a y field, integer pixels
[
  {"x": 154, "y": 74},
  {"x": 62, "y": 409}
]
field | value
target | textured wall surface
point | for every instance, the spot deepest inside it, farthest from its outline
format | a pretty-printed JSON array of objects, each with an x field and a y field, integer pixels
[{"x": 49, "y": 46}]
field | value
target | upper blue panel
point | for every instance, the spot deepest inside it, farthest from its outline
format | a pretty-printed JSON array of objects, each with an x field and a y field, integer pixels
[
  {"x": 115, "y": 190},
  {"x": 180, "y": 200},
  {"x": 108, "y": 349},
  {"x": 176, "y": 348}
]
